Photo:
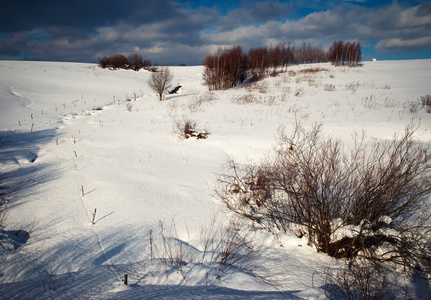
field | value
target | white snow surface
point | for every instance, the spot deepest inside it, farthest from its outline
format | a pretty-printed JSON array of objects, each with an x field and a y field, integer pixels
[{"x": 66, "y": 134}]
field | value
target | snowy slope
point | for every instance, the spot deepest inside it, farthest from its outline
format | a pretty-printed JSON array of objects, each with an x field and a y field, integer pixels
[{"x": 81, "y": 138}]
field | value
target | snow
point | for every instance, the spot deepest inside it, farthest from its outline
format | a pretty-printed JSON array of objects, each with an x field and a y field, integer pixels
[{"x": 66, "y": 134}]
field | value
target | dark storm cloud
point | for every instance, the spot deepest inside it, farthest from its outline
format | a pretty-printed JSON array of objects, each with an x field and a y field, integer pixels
[
  {"x": 185, "y": 32},
  {"x": 27, "y": 15}
]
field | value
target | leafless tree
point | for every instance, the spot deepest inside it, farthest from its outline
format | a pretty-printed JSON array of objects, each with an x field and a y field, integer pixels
[
  {"x": 161, "y": 81},
  {"x": 345, "y": 53},
  {"x": 225, "y": 69}
]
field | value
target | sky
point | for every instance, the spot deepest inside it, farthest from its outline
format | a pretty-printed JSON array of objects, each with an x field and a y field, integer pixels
[{"x": 185, "y": 32}]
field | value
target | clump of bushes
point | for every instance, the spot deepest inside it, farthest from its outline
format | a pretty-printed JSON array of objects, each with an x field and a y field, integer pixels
[
  {"x": 119, "y": 61},
  {"x": 186, "y": 128},
  {"x": 369, "y": 202}
]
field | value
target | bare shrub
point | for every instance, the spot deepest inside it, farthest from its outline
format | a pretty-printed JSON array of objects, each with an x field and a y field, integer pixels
[
  {"x": 413, "y": 107},
  {"x": 197, "y": 101},
  {"x": 352, "y": 86},
  {"x": 119, "y": 61},
  {"x": 186, "y": 128},
  {"x": 161, "y": 81},
  {"x": 370, "y": 203},
  {"x": 104, "y": 62},
  {"x": 222, "y": 248},
  {"x": 313, "y": 70},
  {"x": 136, "y": 61},
  {"x": 426, "y": 102},
  {"x": 329, "y": 87},
  {"x": 361, "y": 279},
  {"x": 291, "y": 73},
  {"x": 262, "y": 87},
  {"x": 389, "y": 103},
  {"x": 369, "y": 102},
  {"x": 270, "y": 100},
  {"x": 245, "y": 99},
  {"x": 148, "y": 65}
]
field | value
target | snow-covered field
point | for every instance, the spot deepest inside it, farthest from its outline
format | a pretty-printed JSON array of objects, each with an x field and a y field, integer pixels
[{"x": 78, "y": 138}]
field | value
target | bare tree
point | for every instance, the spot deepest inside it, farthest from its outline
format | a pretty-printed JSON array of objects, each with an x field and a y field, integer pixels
[
  {"x": 345, "y": 54},
  {"x": 225, "y": 69},
  {"x": 161, "y": 81}
]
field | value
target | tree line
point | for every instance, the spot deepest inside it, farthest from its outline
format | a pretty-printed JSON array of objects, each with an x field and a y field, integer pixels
[
  {"x": 342, "y": 54},
  {"x": 227, "y": 68},
  {"x": 133, "y": 61}
]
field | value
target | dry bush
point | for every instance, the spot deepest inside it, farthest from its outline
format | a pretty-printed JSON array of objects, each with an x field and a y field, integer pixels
[
  {"x": 222, "y": 248},
  {"x": 245, "y": 99},
  {"x": 370, "y": 202},
  {"x": 186, "y": 128},
  {"x": 104, "y": 62},
  {"x": 329, "y": 87},
  {"x": 197, "y": 101},
  {"x": 369, "y": 102},
  {"x": 262, "y": 87},
  {"x": 426, "y": 102},
  {"x": 270, "y": 100},
  {"x": 313, "y": 70},
  {"x": 352, "y": 86},
  {"x": 362, "y": 279},
  {"x": 291, "y": 73},
  {"x": 136, "y": 62},
  {"x": 413, "y": 107},
  {"x": 119, "y": 61}
]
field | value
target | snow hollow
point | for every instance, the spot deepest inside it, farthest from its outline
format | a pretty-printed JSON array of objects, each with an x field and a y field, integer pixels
[{"x": 105, "y": 184}]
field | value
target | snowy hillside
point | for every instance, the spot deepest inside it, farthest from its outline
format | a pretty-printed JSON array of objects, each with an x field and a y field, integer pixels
[{"x": 85, "y": 144}]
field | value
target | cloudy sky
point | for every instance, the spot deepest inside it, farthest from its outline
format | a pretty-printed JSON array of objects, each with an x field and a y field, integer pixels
[{"x": 181, "y": 31}]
